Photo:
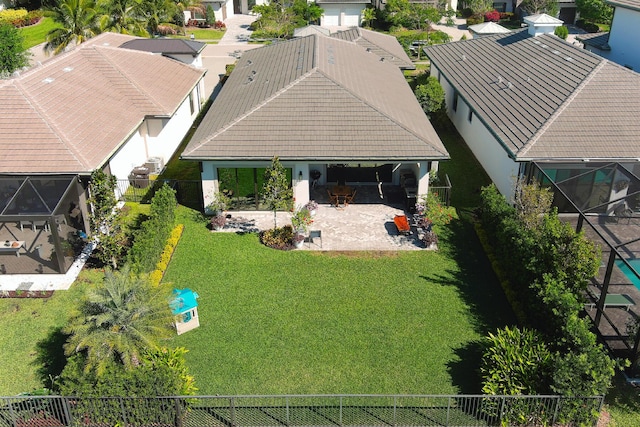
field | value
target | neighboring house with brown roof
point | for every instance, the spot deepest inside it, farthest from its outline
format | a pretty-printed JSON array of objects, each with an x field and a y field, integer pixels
[
  {"x": 316, "y": 102},
  {"x": 97, "y": 106},
  {"x": 517, "y": 98},
  {"x": 620, "y": 45}
]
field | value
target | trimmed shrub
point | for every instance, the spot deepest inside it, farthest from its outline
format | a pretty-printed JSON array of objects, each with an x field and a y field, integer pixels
[
  {"x": 278, "y": 238},
  {"x": 475, "y": 19},
  {"x": 562, "y": 32},
  {"x": 150, "y": 239},
  {"x": 15, "y": 17},
  {"x": 157, "y": 274}
]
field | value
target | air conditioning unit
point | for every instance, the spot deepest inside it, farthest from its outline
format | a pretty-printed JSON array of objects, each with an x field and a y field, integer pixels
[{"x": 155, "y": 164}]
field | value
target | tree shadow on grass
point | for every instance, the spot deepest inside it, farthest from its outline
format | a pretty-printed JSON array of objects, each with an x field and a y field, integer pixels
[
  {"x": 480, "y": 289},
  {"x": 50, "y": 359}
]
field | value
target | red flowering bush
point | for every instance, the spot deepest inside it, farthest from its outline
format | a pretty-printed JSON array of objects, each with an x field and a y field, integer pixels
[{"x": 493, "y": 16}]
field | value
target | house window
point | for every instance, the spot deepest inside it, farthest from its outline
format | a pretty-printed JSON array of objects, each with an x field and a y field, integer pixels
[
  {"x": 500, "y": 7},
  {"x": 470, "y": 116},
  {"x": 191, "y": 103},
  {"x": 455, "y": 101}
]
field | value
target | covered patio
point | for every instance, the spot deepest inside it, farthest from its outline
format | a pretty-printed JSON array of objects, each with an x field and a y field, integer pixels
[{"x": 43, "y": 223}]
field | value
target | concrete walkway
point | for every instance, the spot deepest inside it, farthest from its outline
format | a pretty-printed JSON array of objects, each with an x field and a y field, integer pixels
[{"x": 237, "y": 29}]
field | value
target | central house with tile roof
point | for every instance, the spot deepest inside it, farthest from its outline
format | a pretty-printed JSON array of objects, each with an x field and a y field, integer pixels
[
  {"x": 320, "y": 104},
  {"x": 527, "y": 97}
]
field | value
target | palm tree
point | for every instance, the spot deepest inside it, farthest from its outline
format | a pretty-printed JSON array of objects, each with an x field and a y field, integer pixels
[
  {"x": 79, "y": 20},
  {"x": 118, "y": 320},
  {"x": 121, "y": 16},
  {"x": 155, "y": 13}
]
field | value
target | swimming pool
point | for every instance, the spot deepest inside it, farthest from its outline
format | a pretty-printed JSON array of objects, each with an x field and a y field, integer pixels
[{"x": 635, "y": 263}]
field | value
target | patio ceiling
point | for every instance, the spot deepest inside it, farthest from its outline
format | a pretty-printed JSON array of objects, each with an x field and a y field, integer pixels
[{"x": 33, "y": 197}]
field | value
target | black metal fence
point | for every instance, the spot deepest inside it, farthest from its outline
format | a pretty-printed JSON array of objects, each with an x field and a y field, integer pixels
[
  {"x": 443, "y": 191},
  {"x": 299, "y": 410},
  {"x": 188, "y": 193}
]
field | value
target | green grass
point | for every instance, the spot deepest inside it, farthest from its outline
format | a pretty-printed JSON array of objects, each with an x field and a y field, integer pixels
[
  {"x": 25, "y": 322},
  {"x": 201, "y": 34},
  {"x": 308, "y": 322},
  {"x": 35, "y": 34}
]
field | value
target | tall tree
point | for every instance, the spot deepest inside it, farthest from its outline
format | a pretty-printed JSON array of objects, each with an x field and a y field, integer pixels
[
  {"x": 121, "y": 16},
  {"x": 12, "y": 55},
  {"x": 118, "y": 320},
  {"x": 79, "y": 21},
  {"x": 430, "y": 96},
  {"x": 368, "y": 16},
  {"x": 532, "y": 7},
  {"x": 276, "y": 191},
  {"x": 595, "y": 10},
  {"x": 156, "y": 12}
]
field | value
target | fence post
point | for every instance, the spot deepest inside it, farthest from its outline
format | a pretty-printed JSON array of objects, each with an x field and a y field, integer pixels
[
  {"x": 67, "y": 411},
  {"x": 340, "y": 420},
  {"x": 555, "y": 411},
  {"x": 178, "y": 413},
  {"x": 232, "y": 412},
  {"x": 287, "y": 404},
  {"x": 395, "y": 405},
  {"x": 448, "y": 410},
  {"x": 124, "y": 414}
]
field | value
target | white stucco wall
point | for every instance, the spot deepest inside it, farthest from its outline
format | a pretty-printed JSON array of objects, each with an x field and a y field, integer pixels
[
  {"x": 196, "y": 61},
  {"x": 154, "y": 138},
  {"x": 623, "y": 38},
  {"x": 492, "y": 156}
]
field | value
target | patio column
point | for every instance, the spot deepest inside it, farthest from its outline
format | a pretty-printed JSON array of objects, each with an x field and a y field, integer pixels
[
  {"x": 423, "y": 178},
  {"x": 210, "y": 185},
  {"x": 300, "y": 183}
]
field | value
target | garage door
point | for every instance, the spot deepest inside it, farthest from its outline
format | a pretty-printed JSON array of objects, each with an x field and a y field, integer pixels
[
  {"x": 351, "y": 17},
  {"x": 331, "y": 15}
]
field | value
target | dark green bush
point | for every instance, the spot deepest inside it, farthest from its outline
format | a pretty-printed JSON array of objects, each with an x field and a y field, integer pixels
[
  {"x": 149, "y": 241},
  {"x": 548, "y": 267}
]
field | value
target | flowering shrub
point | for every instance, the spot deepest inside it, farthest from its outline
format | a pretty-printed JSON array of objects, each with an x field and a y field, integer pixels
[
  {"x": 157, "y": 274},
  {"x": 429, "y": 238},
  {"x": 278, "y": 238},
  {"x": 219, "y": 25},
  {"x": 311, "y": 205},
  {"x": 492, "y": 16},
  {"x": 13, "y": 16},
  {"x": 435, "y": 211},
  {"x": 301, "y": 219}
]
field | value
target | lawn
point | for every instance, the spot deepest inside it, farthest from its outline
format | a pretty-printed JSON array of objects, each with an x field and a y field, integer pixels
[
  {"x": 307, "y": 322},
  {"x": 202, "y": 34},
  {"x": 35, "y": 34}
]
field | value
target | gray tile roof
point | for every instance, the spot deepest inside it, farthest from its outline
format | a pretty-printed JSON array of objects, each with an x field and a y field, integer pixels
[
  {"x": 165, "y": 46},
  {"x": 71, "y": 114},
  {"x": 598, "y": 40},
  {"x": 383, "y": 45},
  {"x": 544, "y": 98},
  {"x": 315, "y": 98},
  {"x": 628, "y": 4}
]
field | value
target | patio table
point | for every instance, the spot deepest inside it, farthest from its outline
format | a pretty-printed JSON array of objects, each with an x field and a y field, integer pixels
[
  {"x": 11, "y": 246},
  {"x": 341, "y": 191}
]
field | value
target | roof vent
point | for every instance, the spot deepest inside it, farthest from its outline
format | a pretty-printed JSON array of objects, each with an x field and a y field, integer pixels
[
  {"x": 509, "y": 85},
  {"x": 67, "y": 69},
  {"x": 368, "y": 49},
  {"x": 528, "y": 79},
  {"x": 381, "y": 59},
  {"x": 48, "y": 80},
  {"x": 463, "y": 57},
  {"x": 253, "y": 72},
  {"x": 569, "y": 59},
  {"x": 556, "y": 52},
  {"x": 499, "y": 79}
]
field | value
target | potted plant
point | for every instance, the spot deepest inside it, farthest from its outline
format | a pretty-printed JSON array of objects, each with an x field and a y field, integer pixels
[
  {"x": 311, "y": 206},
  {"x": 298, "y": 240},
  {"x": 218, "y": 221},
  {"x": 430, "y": 240},
  {"x": 300, "y": 220},
  {"x": 219, "y": 203}
]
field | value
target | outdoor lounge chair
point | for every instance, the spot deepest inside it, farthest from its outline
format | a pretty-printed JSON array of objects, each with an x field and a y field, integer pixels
[
  {"x": 402, "y": 224},
  {"x": 623, "y": 212},
  {"x": 349, "y": 198},
  {"x": 615, "y": 300}
]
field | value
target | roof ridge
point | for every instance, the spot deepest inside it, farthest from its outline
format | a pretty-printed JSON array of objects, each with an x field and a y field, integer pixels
[
  {"x": 382, "y": 113},
  {"x": 256, "y": 107},
  {"x": 532, "y": 141},
  {"x": 49, "y": 123}
]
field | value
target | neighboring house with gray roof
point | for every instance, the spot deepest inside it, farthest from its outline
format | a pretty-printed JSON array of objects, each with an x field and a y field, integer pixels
[
  {"x": 621, "y": 44},
  {"x": 187, "y": 51},
  {"x": 315, "y": 102},
  {"x": 382, "y": 45},
  {"x": 517, "y": 98},
  {"x": 97, "y": 106}
]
